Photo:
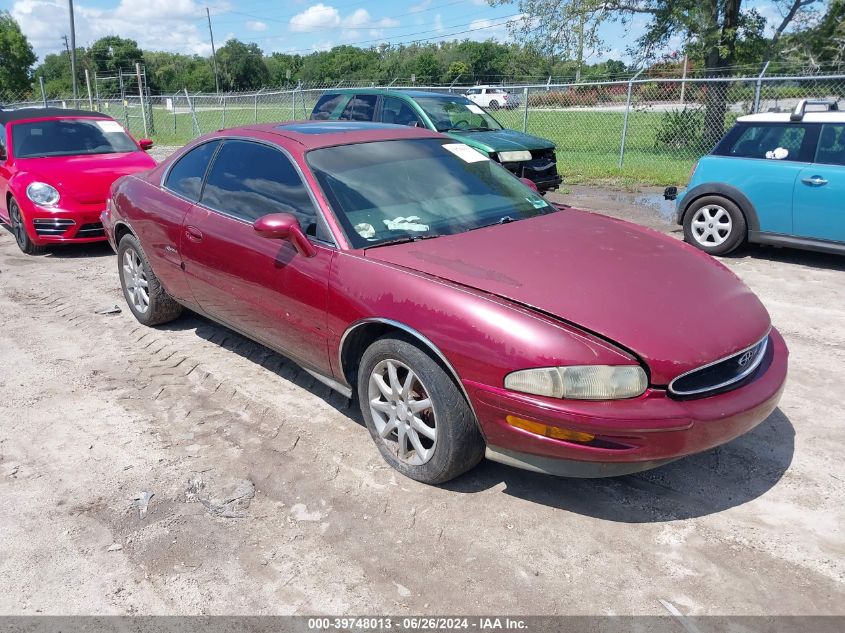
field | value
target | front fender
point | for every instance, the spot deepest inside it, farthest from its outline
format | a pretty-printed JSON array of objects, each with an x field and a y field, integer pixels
[{"x": 719, "y": 189}]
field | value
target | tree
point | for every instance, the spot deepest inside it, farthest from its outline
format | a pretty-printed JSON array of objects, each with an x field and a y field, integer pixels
[
  {"x": 426, "y": 68},
  {"x": 16, "y": 56},
  {"x": 241, "y": 66},
  {"x": 820, "y": 43},
  {"x": 457, "y": 69},
  {"x": 715, "y": 27},
  {"x": 111, "y": 53}
]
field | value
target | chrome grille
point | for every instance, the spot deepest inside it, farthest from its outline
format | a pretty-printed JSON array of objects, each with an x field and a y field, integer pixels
[
  {"x": 52, "y": 226},
  {"x": 721, "y": 375}
]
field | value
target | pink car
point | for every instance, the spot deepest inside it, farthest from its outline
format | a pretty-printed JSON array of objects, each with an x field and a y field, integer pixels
[
  {"x": 467, "y": 314},
  {"x": 56, "y": 167}
]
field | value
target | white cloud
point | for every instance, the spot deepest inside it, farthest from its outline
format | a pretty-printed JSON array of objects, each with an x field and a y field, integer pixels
[
  {"x": 438, "y": 23},
  {"x": 422, "y": 6},
  {"x": 361, "y": 19},
  {"x": 489, "y": 29},
  {"x": 315, "y": 18},
  {"x": 154, "y": 24},
  {"x": 255, "y": 25}
]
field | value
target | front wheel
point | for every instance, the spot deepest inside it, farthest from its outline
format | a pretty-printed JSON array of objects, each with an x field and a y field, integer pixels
[
  {"x": 25, "y": 242},
  {"x": 715, "y": 225},
  {"x": 494, "y": 105},
  {"x": 415, "y": 413},
  {"x": 147, "y": 300}
]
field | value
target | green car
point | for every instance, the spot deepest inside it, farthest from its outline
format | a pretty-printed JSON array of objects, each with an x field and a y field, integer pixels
[{"x": 524, "y": 155}]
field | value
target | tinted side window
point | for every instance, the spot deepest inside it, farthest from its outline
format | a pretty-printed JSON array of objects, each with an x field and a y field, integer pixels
[
  {"x": 360, "y": 108},
  {"x": 2, "y": 140},
  {"x": 778, "y": 142},
  {"x": 185, "y": 177},
  {"x": 325, "y": 106},
  {"x": 398, "y": 112},
  {"x": 832, "y": 145},
  {"x": 250, "y": 180}
]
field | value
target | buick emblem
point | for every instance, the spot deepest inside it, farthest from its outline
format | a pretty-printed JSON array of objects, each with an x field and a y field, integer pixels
[{"x": 746, "y": 358}]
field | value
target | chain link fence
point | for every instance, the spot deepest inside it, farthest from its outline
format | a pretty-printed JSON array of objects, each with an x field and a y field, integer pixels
[{"x": 636, "y": 131}]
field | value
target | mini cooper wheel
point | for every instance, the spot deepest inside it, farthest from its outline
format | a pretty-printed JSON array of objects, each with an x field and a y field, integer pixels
[
  {"x": 416, "y": 415},
  {"x": 25, "y": 243},
  {"x": 142, "y": 290},
  {"x": 715, "y": 225}
]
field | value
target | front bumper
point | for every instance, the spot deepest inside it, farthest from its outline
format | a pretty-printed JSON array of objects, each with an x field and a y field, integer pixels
[
  {"x": 541, "y": 170},
  {"x": 635, "y": 434},
  {"x": 51, "y": 225}
]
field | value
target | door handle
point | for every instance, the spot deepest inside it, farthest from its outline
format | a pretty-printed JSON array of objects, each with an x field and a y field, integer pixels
[
  {"x": 814, "y": 181},
  {"x": 193, "y": 234}
]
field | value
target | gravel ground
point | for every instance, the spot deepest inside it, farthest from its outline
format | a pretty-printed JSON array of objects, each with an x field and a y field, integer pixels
[{"x": 268, "y": 496}]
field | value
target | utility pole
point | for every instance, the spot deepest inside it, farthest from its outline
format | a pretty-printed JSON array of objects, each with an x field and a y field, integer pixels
[
  {"x": 72, "y": 51},
  {"x": 213, "y": 52}
]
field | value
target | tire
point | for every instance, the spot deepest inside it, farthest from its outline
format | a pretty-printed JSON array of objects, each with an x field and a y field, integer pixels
[
  {"x": 715, "y": 225},
  {"x": 18, "y": 225},
  {"x": 494, "y": 105},
  {"x": 150, "y": 304},
  {"x": 452, "y": 444}
]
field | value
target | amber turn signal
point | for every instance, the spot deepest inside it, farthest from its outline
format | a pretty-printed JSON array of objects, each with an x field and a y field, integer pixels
[{"x": 549, "y": 431}]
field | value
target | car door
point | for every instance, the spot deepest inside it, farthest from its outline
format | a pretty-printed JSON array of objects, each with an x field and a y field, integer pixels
[
  {"x": 818, "y": 201},
  {"x": 769, "y": 158},
  {"x": 5, "y": 172},
  {"x": 398, "y": 112},
  {"x": 259, "y": 286}
]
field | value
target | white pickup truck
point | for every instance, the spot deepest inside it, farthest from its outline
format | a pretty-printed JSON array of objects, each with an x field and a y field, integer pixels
[{"x": 492, "y": 97}]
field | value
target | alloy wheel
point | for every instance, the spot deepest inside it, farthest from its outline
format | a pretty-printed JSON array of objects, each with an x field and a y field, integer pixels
[
  {"x": 711, "y": 225},
  {"x": 402, "y": 412},
  {"x": 135, "y": 281},
  {"x": 18, "y": 228}
]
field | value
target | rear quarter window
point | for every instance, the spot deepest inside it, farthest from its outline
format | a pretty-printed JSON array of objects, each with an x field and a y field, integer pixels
[{"x": 325, "y": 106}]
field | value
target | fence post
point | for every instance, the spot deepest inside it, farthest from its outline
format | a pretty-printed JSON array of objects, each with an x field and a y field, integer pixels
[
  {"x": 43, "y": 93},
  {"x": 757, "y": 88},
  {"x": 302, "y": 100},
  {"x": 88, "y": 87},
  {"x": 525, "y": 110},
  {"x": 255, "y": 107},
  {"x": 625, "y": 120},
  {"x": 223, "y": 121},
  {"x": 141, "y": 97},
  {"x": 193, "y": 113}
]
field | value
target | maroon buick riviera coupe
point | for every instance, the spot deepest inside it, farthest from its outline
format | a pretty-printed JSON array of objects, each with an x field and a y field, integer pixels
[{"x": 466, "y": 312}]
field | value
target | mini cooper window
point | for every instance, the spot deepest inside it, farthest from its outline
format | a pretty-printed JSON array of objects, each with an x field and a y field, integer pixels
[
  {"x": 774, "y": 142},
  {"x": 408, "y": 189},
  {"x": 185, "y": 177},
  {"x": 70, "y": 137},
  {"x": 250, "y": 180},
  {"x": 832, "y": 145}
]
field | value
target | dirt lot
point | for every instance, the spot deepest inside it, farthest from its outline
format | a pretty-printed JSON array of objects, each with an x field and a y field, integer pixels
[{"x": 96, "y": 410}]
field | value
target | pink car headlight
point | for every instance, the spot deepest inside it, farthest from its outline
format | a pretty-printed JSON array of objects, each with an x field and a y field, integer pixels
[{"x": 580, "y": 382}]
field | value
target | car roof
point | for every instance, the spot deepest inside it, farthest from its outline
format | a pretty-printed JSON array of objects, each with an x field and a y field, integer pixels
[
  {"x": 317, "y": 134},
  {"x": 784, "y": 117},
  {"x": 25, "y": 114},
  {"x": 394, "y": 92}
]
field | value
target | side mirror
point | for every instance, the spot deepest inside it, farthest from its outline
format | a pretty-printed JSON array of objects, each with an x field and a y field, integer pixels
[
  {"x": 283, "y": 226},
  {"x": 530, "y": 184},
  {"x": 145, "y": 144}
]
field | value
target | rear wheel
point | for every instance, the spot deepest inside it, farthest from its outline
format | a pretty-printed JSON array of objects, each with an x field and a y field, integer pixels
[
  {"x": 494, "y": 105},
  {"x": 415, "y": 413},
  {"x": 147, "y": 300},
  {"x": 714, "y": 224},
  {"x": 25, "y": 243}
]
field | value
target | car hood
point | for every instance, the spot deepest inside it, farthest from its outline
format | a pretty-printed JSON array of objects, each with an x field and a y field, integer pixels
[
  {"x": 675, "y": 307},
  {"x": 86, "y": 179},
  {"x": 502, "y": 140}
]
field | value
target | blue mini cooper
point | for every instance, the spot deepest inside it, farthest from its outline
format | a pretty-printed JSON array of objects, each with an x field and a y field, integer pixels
[{"x": 773, "y": 179}]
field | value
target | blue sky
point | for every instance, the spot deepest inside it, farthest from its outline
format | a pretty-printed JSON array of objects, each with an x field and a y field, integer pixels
[{"x": 299, "y": 26}]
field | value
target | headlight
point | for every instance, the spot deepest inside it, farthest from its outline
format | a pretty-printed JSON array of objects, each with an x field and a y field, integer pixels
[
  {"x": 580, "y": 382},
  {"x": 513, "y": 157},
  {"x": 43, "y": 194}
]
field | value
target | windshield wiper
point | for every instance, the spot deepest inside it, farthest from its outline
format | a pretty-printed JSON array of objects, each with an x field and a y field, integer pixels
[
  {"x": 405, "y": 239},
  {"x": 457, "y": 128}
]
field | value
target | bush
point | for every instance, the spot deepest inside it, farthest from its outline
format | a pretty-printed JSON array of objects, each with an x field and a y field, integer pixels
[{"x": 681, "y": 129}]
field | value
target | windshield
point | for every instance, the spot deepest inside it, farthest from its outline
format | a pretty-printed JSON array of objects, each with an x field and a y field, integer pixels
[
  {"x": 70, "y": 137},
  {"x": 456, "y": 113},
  {"x": 402, "y": 190}
]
